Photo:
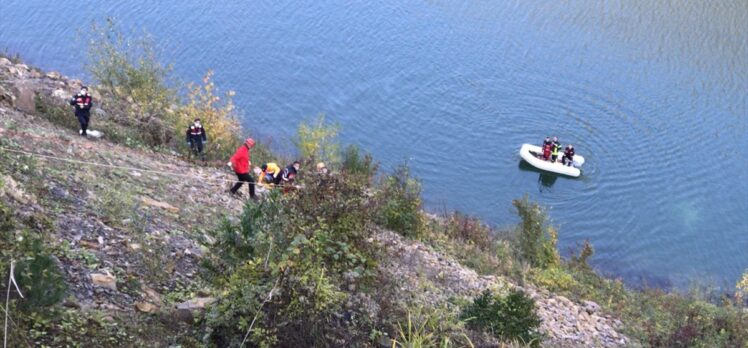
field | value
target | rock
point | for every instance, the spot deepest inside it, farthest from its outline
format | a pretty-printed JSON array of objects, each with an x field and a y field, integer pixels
[
  {"x": 12, "y": 189},
  {"x": 5, "y": 61},
  {"x": 104, "y": 280},
  {"x": 23, "y": 67},
  {"x": 25, "y": 98},
  {"x": 162, "y": 205},
  {"x": 151, "y": 294},
  {"x": 62, "y": 94},
  {"x": 99, "y": 112},
  {"x": 146, "y": 307},
  {"x": 88, "y": 245},
  {"x": 134, "y": 246},
  {"x": 54, "y": 75},
  {"x": 591, "y": 307},
  {"x": 6, "y": 97},
  {"x": 95, "y": 134},
  {"x": 196, "y": 303}
]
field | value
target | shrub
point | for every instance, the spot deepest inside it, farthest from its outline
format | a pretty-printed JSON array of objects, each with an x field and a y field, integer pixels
[
  {"x": 303, "y": 247},
  {"x": 129, "y": 67},
  {"x": 55, "y": 113},
  {"x": 357, "y": 167},
  {"x": 317, "y": 141},
  {"x": 553, "y": 278},
  {"x": 218, "y": 115},
  {"x": 537, "y": 240},
  {"x": 508, "y": 318},
  {"x": 400, "y": 203}
]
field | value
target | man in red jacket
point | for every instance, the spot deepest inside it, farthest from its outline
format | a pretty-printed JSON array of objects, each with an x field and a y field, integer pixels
[{"x": 241, "y": 162}]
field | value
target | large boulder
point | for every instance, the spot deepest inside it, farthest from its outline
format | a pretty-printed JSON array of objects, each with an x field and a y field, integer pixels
[
  {"x": 5, "y": 61},
  {"x": 24, "y": 98}
]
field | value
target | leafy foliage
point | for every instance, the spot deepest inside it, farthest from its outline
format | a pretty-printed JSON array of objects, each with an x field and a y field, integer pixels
[
  {"x": 317, "y": 141},
  {"x": 400, "y": 207},
  {"x": 303, "y": 248},
  {"x": 217, "y": 114},
  {"x": 358, "y": 167},
  {"x": 537, "y": 240},
  {"x": 508, "y": 318}
]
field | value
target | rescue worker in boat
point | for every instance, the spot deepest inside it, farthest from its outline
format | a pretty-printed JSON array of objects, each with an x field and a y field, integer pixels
[
  {"x": 555, "y": 146},
  {"x": 568, "y": 158},
  {"x": 547, "y": 144},
  {"x": 197, "y": 138}
]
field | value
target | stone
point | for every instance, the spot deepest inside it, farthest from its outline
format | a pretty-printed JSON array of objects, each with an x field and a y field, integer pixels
[
  {"x": 12, "y": 189},
  {"x": 88, "y": 244},
  {"x": 22, "y": 67},
  {"x": 54, "y": 75},
  {"x": 162, "y": 205},
  {"x": 104, "y": 280},
  {"x": 146, "y": 307},
  {"x": 5, "y": 61},
  {"x": 6, "y": 97},
  {"x": 25, "y": 98},
  {"x": 591, "y": 307},
  {"x": 196, "y": 303},
  {"x": 95, "y": 134},
  {"x": 62, "y": 94}
]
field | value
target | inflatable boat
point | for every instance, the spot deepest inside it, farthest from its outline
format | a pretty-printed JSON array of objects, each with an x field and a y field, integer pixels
[{"x": 533, "y": 155}]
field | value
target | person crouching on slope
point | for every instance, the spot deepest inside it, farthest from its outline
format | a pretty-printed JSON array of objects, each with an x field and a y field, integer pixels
[
  {"x": 82, "y": 102},
  {"x": 288, "y": 174},
  {"x": 240, "y": 162},
  {"x": 268, "y": 172}
]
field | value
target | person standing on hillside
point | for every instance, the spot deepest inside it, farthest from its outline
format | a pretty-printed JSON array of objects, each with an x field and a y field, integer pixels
[
  {"x": 82, "y": 102},
  {"x": 197, "y": 138},
  {"x": 241, "y": 162}
]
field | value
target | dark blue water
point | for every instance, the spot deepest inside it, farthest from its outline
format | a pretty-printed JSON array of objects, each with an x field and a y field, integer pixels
[{"x": 652, "y": 94}]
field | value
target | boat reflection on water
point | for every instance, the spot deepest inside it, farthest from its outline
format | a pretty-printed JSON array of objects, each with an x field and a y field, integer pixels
[{"x": 545, "y": 179}]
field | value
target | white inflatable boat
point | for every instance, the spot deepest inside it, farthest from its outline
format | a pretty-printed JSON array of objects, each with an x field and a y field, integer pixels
[{"x": 532, "y": 154}]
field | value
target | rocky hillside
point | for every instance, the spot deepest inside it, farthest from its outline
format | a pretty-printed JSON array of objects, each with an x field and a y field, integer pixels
[{"x": 130, "y": 226}]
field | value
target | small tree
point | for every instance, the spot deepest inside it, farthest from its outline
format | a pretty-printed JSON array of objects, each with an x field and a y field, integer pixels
[
  {"x": 537, "y": 240},
  {"x": 317, "y": 141},
  {"x": 217, "y": 114}
]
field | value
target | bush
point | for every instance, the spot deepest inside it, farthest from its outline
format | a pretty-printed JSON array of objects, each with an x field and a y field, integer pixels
[
  {"x": 317, "y": 141},
  {"x": 305, "y": 248},
  {"x": 508, "y": 318},
  {"x": 357, "y": 167},
  {"x": 218, "y": 116},
  {"x": 537, "y": 240},
  {"x": 400, "y": 203}
]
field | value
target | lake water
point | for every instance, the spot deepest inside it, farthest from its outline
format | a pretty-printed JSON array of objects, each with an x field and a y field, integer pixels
[{"x": 652, "y": 93}]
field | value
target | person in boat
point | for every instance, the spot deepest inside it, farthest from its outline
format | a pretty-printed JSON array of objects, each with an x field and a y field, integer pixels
[
  {"x": 555, "y": 147},
  {"x": 547, "y": 144},
  {"x": 568, "y": 157}
]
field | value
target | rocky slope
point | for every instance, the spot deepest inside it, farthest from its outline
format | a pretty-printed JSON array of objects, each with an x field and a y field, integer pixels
[{"x": 132, "y": 224}]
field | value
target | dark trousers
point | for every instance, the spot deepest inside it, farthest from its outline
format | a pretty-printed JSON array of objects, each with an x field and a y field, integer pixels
[
  {"x": 197, "y": 148},
  {"x": 554, "y": 157},
  {"x": 83, "y": 119},
  {"x": 567, "y": 160},
  {"x": 242, "y": 179}
]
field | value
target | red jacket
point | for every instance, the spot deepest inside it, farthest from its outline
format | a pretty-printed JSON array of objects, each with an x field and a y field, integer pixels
[{"x": 241, "y": 160}]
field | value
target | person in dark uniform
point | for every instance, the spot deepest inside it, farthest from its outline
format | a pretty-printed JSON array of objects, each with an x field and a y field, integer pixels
[
  {"x": 197, "y": 138},
  {"x": 568, "y": 158},
  {"x": 82, "y": 102}
]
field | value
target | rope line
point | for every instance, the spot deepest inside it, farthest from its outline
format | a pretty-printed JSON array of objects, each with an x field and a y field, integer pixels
[{"x": 216, "y": 181}]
